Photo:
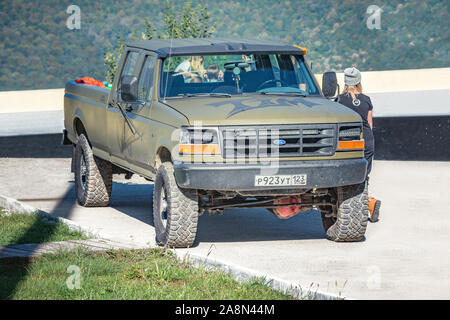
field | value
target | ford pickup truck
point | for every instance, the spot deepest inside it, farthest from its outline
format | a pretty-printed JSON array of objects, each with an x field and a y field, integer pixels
[{"x": 220, "y": 124}]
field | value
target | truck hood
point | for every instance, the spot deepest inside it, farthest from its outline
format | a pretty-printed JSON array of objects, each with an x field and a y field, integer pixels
[{"x": 261, "y": 109}]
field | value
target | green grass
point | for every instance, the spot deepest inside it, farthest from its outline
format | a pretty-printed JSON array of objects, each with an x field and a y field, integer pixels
[
  {"x": 137, "y": 274},
  {"x": 22, "y": 228}
]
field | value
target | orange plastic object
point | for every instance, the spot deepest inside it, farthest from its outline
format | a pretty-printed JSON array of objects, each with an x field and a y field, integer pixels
[
  {"x": 287, "y": 212},
  {"x": 302, "y": 48},
  {"x": 199, "y": 149},
  {"x": 351, "y": 145},
  {"x": 372, "y": 202},
  {"x": 91, "y": 81}
]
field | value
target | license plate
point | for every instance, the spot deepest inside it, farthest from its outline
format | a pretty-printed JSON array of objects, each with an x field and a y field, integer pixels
[{"x": 280, "y": 180}]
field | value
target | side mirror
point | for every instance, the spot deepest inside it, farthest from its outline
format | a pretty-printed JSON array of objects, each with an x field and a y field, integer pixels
[
  {"x": 129, "y": 88},
  {"x": 329, "y": 84}
]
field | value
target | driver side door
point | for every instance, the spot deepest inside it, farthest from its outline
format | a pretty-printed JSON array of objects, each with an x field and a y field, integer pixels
[
  {"x": 140, "y": 144},
  {"x": 116, "y": 128}
]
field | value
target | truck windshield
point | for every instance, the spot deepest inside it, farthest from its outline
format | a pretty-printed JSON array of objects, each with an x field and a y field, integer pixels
[{"x": 210, "y": 75}]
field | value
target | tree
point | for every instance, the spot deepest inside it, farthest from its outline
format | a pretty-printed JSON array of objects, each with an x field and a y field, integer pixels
[
  {"x": 111, "y": 59},
  {"x": 194, "y": 22}
]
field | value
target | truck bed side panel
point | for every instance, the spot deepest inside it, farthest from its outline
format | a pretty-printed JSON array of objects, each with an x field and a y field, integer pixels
[{"x": 88, "y": 104}]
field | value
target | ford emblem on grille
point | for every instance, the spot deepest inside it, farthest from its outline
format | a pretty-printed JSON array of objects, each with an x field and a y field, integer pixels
[{"x": 279, "y": 142}]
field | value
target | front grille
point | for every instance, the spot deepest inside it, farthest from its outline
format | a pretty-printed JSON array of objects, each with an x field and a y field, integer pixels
[{"x": 280, "y": 141}]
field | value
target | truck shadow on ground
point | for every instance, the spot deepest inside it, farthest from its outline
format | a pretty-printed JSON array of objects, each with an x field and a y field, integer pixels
[
  {"x": 247, "y": 225},
  {"x": 34, "y": 146},
  {"x": 133, "y": 200},
  {"x": 237, "y": 225}
]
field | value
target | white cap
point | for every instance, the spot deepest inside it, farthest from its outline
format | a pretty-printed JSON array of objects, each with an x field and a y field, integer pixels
[{"x": 352, "y": 76}]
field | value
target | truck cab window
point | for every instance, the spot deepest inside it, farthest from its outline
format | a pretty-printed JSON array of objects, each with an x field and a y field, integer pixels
[
  {"x": 130, "y": 64},
  {"x": 128, "y": 69},
  {"x": 145, "y": 86},
  {"x": 235, "y": 74}
]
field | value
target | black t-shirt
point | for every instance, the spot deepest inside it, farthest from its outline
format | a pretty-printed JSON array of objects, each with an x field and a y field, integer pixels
[{"x": 362, "y": 105}]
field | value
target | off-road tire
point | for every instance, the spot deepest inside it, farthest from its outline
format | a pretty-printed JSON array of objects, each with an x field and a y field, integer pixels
[
  {"x": 179, "y": 228},
  {"x": 94, "y": 184},
  {"x": 352, "y": 214}
]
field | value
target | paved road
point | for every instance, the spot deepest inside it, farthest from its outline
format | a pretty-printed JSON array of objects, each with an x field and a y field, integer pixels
[
  {"x": 30, "y": 123},
  {"x": 404, "y": 256}
]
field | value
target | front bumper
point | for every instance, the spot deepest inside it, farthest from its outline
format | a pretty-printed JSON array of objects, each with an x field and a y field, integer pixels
[{"x": 232, "y": 177}]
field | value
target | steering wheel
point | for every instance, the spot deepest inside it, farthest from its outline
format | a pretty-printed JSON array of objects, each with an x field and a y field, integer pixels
[{"x": 283, "y": 83}]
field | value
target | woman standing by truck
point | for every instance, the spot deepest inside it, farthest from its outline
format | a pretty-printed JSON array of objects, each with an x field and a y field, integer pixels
[{"x": 353, "y": 98}]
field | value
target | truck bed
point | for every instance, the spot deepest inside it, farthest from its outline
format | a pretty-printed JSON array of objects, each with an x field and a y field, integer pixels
[
  {"x": 92, "y": 93},
  {"x": 87, "y": 103}
]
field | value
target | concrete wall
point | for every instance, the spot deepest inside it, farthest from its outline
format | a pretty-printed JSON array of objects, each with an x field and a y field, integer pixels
[
  {"x": 418, "y": 138},
  {"x": 31, "y": 100},
  {"x": 400, "y": 80}
]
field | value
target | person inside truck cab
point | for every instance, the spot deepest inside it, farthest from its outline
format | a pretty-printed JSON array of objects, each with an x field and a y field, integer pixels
[
  {"x": 353, "y": 98},
  {"x": 249, "y": 60},
  {"x": 191, "y": 67},
  {"x": 195, "y": 79},
  {"x": 212, "y": 73},
  {"x": 301, "y": 80}
]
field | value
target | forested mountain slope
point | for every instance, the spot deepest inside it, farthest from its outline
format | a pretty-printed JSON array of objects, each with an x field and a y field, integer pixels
[{"x": 37, "y": 50}]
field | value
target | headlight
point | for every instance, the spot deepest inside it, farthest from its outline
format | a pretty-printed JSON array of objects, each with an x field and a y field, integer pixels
[
  {"x": 199, "y": 140},
  {"x": 350, "y": 137}
]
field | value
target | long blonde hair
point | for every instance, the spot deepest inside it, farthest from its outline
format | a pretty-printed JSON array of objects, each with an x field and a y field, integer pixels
[
  {"x": 353, "y": 90},
  {"x": 197, "y": 64}
]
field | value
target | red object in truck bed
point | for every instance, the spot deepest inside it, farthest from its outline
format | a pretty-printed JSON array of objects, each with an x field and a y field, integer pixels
[{"x": 91, "y": 81}]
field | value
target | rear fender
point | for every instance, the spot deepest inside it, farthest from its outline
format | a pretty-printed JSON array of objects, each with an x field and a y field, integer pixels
[{"x": 79, "y": 117}]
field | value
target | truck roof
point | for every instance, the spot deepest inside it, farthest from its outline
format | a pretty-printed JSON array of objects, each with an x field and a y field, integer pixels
[{"x": 180, "y": 47}]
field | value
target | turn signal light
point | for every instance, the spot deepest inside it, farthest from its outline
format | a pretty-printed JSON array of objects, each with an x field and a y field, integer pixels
[
  {"x": 351, "y": 145},
  {"x": 199, "y": 149}
]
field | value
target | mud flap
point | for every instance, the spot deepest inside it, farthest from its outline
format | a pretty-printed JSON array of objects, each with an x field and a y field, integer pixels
[{"x": 72, "y": 164}]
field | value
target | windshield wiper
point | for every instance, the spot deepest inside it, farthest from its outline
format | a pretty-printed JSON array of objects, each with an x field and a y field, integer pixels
[
  {"x": 285, "y": 93},
  {"x": 216, "y": 94}
]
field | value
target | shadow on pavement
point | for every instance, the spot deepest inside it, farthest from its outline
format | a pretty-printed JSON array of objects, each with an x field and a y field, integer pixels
[
  {"x": 34, "y": 146},
  {"x": 134, "y": 200},
  {"x": 247, "y": 225},
  {"x": 237, "y": 225}
]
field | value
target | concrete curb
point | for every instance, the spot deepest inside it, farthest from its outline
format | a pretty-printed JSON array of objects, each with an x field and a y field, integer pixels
[
  {"x": 235, "y": 271},
  {"x": 244, "y": 275},
  {"x": 14, "y": 206}
]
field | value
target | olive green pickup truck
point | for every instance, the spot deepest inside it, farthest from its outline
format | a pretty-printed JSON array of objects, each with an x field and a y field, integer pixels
[{"x": 220, "y": 124}]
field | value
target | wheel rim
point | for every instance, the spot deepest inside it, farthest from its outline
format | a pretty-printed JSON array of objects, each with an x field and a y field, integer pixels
[
  {"x": 83, "y": 173},
  {"x": 163, "y": 207}
]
